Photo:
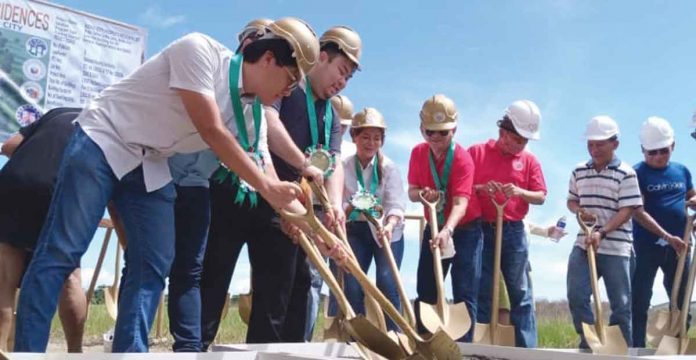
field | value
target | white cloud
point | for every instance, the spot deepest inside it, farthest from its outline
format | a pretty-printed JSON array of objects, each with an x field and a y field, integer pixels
[{"x": 155, "y": 17}]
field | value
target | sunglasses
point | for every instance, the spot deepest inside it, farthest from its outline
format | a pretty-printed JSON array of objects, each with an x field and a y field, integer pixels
[
  {"x": 663, "y": 151},
  {"x": 293, "y": 78},
  {"x": 433, "y": 132}
]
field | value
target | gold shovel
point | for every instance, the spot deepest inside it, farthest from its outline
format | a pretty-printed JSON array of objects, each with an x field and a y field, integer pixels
[
  {"x": 359, "y": 328},
  {"x": 453, "y": 319},
  {"x": 495, "y": 333},
  {"x": 244, "y": 302},
  {"x": 600, "y": 338},
  {"x": 111, "y": 292},
  {"x": 681, "y": 344},
  {"x": 667, "y": 322},
  {"x": 373, "y": 312},
  {"x": 438, "y": 346}
]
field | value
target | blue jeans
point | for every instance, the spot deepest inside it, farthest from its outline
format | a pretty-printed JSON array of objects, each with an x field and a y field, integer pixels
[
  {"x": 616, "y": 271},
  {"x": 466, "y": 271},
  {"x": 649, "y": 258},
  {"x": 84, "y": 185},
  {"x": 514, "y": 266},
  {"x": 365, "y": 249},
  {"x": 191, "y": 218},
  {"x": 313, "y": 299}
]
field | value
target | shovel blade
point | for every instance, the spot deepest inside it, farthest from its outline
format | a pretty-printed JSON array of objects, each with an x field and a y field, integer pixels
[
  {"x": 373, "y": 313},
  {"x": 613, "y": 344},
  {"x": 372, "y": 338},
  {"x": 333, "y": 330},
  {"x": 245, "y": 307},
  {"x": 504, "y": 335},
  {"x": 663, "y": 323},
  {"x": 456, "y": 323},
  {"x": 111, "y": 301},
  {"x": 439, "y": 346}
]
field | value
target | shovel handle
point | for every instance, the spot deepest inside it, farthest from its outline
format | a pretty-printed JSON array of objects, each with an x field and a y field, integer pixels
[
  {"x": 676, "y": 284},
  {"x": 436, "y": 252},
  {"x": 495, "y": 296},
  {"x": 386, "y": 247},
  {"x": 587, "y": 227},
  {"x": 97, "y": 268},
  {"x": 686, "y": 302}
]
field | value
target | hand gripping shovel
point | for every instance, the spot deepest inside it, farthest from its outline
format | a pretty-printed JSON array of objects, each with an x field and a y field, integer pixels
[
  {"x": 452, "y": 319},
  {"x": 438, "y": 346},
  {"x": 111, "y": 292},
  {"x": 667, "y": 322},
  {"x": 362, "y": 330},
  {"x": 495, "y": 333},
  {"x": 373, "y": 312},
  {"x": 601, "y": 339},
  {"x": 681, "y": 343}
]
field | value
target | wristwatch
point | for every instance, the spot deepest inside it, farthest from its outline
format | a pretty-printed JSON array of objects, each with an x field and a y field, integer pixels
[
  {"x": 602, "y": 234},
  {"x": 450, "y": 231}
]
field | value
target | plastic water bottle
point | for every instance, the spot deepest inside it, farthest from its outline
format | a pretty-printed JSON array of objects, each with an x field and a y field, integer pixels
[{"x": 557, "y": 232}]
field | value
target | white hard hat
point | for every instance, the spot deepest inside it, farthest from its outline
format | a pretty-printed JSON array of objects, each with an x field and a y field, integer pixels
[
  {"x": 601, "y": 127},
  {"x": 525, "y": 117},
  {"x": 656, "y": 133}
]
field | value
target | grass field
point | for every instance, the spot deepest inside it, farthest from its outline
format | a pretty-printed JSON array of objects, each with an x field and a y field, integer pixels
[{"x": 554, "y": 325}]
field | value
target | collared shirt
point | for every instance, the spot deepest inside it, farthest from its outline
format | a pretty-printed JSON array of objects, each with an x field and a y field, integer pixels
[
  {"x": 604, "y": 192},
  {"x": 664, "y": 193},
  {"x": 142, "y": 120},
  {"x": 522, "y": 169},
  {"x": 460, "y": 178},
  {"x": 292, "y": 111},
  {"x": 390, "y": 191}
]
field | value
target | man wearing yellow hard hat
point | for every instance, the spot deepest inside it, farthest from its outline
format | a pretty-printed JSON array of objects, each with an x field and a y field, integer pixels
[{"x": 194, "y": 89}]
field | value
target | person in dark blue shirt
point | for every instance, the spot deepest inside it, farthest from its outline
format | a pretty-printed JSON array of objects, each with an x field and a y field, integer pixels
[{"x": 666, "y": 187}]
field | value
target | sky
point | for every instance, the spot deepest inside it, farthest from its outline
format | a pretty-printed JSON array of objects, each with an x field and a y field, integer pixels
[{"x": 575, "y": 59}]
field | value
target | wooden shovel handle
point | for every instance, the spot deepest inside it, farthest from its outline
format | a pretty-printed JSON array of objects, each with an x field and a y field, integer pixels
[
  {"x": 436, "y": 252},
  {"x": 676, "y": 283},
  {"x": 587, "y": 227}
]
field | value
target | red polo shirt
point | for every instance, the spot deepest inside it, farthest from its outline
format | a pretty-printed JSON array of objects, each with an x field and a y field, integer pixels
[
  {"x": 460, "y": 179},
  {"x": 522, "y": 170}
]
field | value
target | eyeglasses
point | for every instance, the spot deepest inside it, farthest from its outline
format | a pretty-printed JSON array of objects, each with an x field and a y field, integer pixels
[
  {"x": 663, "y": 151},
  {"x": 442, "y": 133},
  {"x": 293, "y": 78}
]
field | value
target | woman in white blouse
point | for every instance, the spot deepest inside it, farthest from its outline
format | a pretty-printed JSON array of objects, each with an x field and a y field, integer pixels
[{"x": 369, "y": 171}]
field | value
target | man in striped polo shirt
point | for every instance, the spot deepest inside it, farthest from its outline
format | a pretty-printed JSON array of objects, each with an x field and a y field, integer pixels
[{"x": 608, "y": 188}]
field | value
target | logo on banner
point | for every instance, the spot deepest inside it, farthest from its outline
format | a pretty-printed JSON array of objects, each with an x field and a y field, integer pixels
[
  {"x": 27, "y": 114},
  {"x": 517, "y": 165},
  {"x": 36, "y": 47},
  {"x": 34, "y": 69},
  {"x": 32, "y": 90}
]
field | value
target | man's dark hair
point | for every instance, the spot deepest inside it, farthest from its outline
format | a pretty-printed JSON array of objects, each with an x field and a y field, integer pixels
[
  {"x": 280, "y": 49},
  {"x": 506, "y": 124}
]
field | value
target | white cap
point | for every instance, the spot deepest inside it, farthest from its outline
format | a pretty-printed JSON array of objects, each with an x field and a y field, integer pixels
[
  {"x": 656, "y": 133},
  {"x": 601, "y": 127},
  {"x": 525, "y": 117}
]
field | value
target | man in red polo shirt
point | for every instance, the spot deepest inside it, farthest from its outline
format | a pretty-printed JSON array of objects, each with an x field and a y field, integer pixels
[
  {"x": 439, "y": 165},
  {"x": 504, "y": 165}
]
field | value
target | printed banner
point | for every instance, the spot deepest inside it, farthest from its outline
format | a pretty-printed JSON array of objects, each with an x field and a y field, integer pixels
[{"x": 52, "y": 56}]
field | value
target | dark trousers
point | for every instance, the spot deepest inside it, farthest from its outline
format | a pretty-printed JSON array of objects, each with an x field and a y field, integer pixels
[
  {"x": 231, "y": 226},
  {"x": 281, "y": 284},
  {"x": 649, "y": 258},
  {"x": 191, "y": 220}
]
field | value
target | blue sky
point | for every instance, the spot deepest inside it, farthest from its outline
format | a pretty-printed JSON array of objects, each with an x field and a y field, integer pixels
[{"x": 575, "y": 59}]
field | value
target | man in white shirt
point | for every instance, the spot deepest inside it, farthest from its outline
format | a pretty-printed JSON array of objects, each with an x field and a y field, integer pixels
[{"x": 179, "y": 101}]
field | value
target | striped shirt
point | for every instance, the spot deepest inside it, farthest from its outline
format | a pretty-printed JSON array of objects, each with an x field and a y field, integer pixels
[{"x": 603, "y": 193}]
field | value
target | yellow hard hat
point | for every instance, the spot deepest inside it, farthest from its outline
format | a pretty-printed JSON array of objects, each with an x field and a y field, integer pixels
[
  {"x": 347, "y": 40},
  {"x": 302, "y": 39},
  {"x": 344, "y": 109},
  {"x": 253, "y": 27},
  {"x": 368, "y": 117},
  {"x": 439, "y": 113}
]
